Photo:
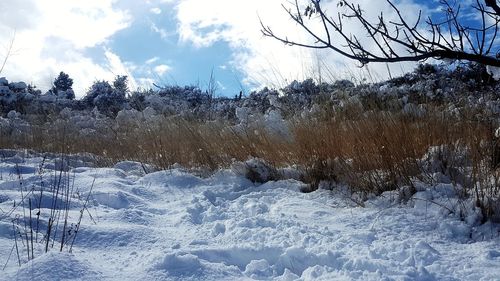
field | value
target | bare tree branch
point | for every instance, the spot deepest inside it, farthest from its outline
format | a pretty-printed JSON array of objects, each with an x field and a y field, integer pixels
[
  {"x": 493, "y": 4},
  {"x": 8, "y": 52},
  {"x": 450, "y": 38}
]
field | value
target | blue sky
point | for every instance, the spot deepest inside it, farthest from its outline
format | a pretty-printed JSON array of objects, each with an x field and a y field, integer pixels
[
  {"x": 183, "y": 64},
  {"x": 140, "y": 39},
  {"x": 171, "y": 42}
]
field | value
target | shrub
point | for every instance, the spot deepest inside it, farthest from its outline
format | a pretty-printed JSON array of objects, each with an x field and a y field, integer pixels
[
  {"x": 62, "y": 88},
  {"x": 120, "y": 84},
  {"x": 108, "y": 99},
  {"x": 137, "y": 100}
]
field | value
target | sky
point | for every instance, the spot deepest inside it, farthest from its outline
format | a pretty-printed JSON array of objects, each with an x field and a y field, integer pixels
[{"x": 168, "y": 42}]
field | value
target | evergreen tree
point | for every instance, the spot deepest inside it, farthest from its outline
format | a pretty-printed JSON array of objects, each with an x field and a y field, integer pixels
[
  {"x": 120, "y": 84},
  {"x": 63, "y": 82}
]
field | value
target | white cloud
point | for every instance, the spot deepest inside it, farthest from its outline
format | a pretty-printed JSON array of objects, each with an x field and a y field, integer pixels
[
  {"x": 117, "y": 67},
  {"x": 54, "y": 35},
  {"x": 145, "y": 83},
  {"x": 155, "y": 10},
  {"x": 162, "y": 69},
  {"x": 266, "y": 61},
  {"x": 152, "y": 60},
  {"x": 164, "y": 34}
]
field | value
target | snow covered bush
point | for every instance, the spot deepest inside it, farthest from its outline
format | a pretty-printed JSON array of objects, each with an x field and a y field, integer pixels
[
  {"x": 16, "y": 96},
  {"x": 120, "y": 84},
  {"x": 63, "y": 87},
  {"x": 307, "y": 87},
  {"x": 256, "y": 170},
  {"x": 276, "y": 126},
  {"x": 446, "y": 160},
  {"x": 108, "y": 99},
  {"x": 137, "y": 100}
]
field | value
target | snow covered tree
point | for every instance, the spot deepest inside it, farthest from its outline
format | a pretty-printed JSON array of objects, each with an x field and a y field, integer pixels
[
  {"x": 120, "y": 84},
  {"x": 63, "y": 86},
  {"x": 108, "y": 99},
  {"x": 63, "y": 82}
]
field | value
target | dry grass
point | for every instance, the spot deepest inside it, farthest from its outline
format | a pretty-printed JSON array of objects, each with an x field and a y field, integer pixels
[
  {"x": 41, "y": 218},
  {"x": 372, "y": 151}
]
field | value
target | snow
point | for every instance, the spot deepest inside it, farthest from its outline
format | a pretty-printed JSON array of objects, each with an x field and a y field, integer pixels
[
  {"x": 18, "y": 86},
  {"x": 4, "y": 90},
  {"x": 174, "y": 225},
  {"x": 4, "y": 81},
  {"x": 494, "y": 71}
]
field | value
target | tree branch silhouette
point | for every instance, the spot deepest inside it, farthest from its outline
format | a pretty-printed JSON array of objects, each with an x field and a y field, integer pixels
[{"x": 450, "y": 38}]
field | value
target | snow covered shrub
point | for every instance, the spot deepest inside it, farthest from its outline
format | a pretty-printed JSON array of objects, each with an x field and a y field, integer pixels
[
  {"x": 307, "y": 87},
  {"x": 326, "y": 171},
  {"x": 14, "y": 96},
  {"x": 494, "y": 72},
  {"x": 190, "y": 93},
  {"x": 18, "y": 87},
  {"x": 256, "y": 170},
  {"x": 120, "y": 84},
  {"x": 33, "y": 90},
  {"x": 473, "y": 74},
  {"x": 426, "y": 68},
  {"x": 137, "y": 99},
  {"x": 14, "y": 130},
  {"x": 98, "y": 88},
  {"x": 128, "y": 118},
  {"x": 447, "y": 160},
  {"x": 259, "y": 101},
  {"x": 343, "y": 84},
  {"x": 108, "y": 99},
  {"x": 276, "y": 126}
]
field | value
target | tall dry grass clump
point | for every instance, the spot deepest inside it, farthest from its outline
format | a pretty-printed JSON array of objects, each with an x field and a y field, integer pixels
[
  {"x": 370, "y": 151},
  {"x": 387, "y": 145}
]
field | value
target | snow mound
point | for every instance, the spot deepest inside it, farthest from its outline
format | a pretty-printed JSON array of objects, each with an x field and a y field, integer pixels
[
  {"x": 134, "y": 168},
  {"x": 57, "y": 266},
  {"x": 181, "y": 265},
  {"x": 172, "y": 178}
]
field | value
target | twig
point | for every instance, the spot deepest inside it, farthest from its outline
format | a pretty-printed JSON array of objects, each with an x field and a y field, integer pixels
[{"x": 81, "y": 216}]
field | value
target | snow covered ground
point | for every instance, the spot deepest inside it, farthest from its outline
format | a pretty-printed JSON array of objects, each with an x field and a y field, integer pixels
[{"x": 173, "y": 225}]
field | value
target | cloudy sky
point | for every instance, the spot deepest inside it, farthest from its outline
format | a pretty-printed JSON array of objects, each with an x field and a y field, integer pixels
[{"x": 170, "y": 42}]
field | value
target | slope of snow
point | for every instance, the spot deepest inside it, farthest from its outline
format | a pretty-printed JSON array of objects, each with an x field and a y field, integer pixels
[{"x": 173, "y": 225}]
